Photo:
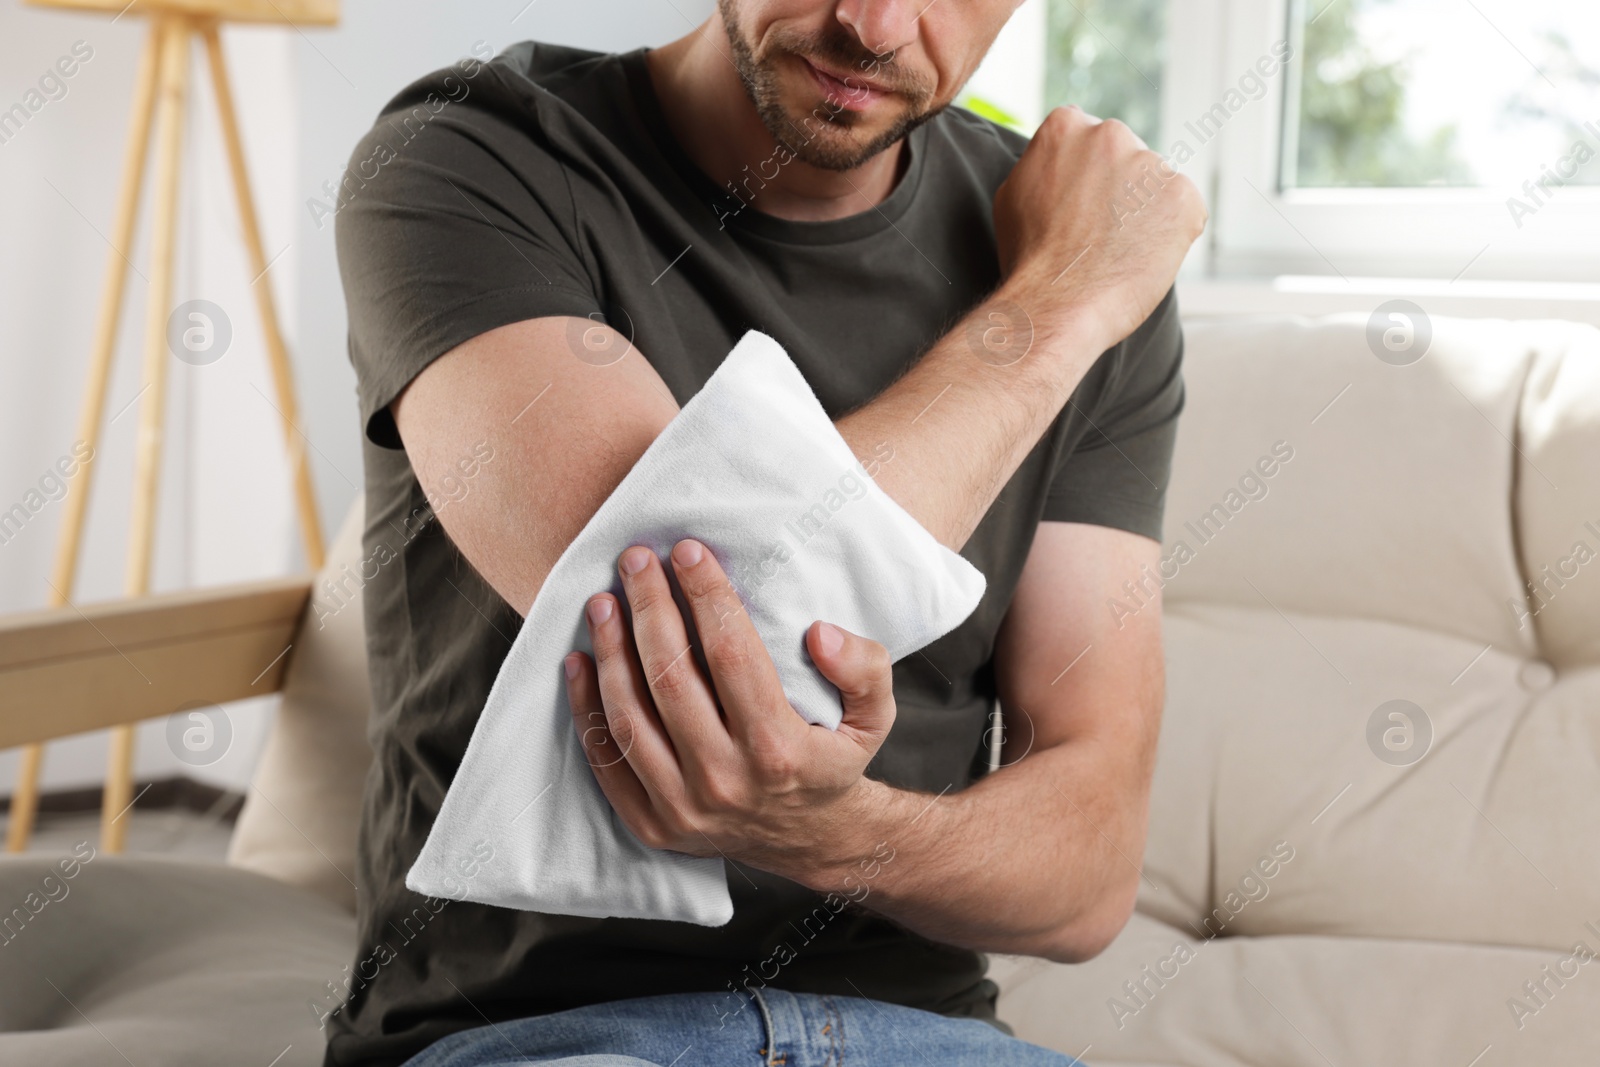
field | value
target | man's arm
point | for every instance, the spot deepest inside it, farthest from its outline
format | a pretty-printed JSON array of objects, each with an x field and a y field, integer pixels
[
  {"x": 960, "y": 423},
  {"x": 1039, "y": 858},
  {"x": 1057, "y": 833}
]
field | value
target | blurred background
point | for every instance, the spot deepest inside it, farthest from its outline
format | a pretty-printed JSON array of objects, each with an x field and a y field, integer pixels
[{"x": 1398, "y": 152}]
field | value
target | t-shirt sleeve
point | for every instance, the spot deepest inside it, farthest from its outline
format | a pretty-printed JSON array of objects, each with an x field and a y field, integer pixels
[
  {"x": 1117, "y": 473},
  {"x": 443, "y": 234}
]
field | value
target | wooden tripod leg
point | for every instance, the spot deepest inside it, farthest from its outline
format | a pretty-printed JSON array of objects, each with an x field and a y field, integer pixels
[
  {"x": 175, "y": 31},
  {"x": 25, "y": 798},
  {"x": 277, "y": 353}
]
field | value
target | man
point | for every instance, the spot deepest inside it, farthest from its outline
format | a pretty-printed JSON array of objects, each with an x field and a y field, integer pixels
[{"x": 551, "y": 254}]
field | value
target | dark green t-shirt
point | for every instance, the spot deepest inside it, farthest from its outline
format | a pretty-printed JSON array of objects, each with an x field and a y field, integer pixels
[{"x": 546, "y": 183}]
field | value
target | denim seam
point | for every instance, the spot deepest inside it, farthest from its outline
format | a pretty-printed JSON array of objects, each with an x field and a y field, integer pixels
[
  {"x": 835, "y": 1033},
  {"x": 770, "y": 1053}
]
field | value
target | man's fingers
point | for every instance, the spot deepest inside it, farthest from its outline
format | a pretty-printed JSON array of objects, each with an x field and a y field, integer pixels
[
  {"x": 683, "y": 698},
  {"x": 741, "y": 669},
  {"x": 609, "y": 759},
  {"x": 625, "y": 703},
  {"x": 861, "y": 671},
  {"x": 1071, "y": 116}
]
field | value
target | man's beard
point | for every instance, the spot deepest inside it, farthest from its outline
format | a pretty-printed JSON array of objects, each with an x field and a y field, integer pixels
[{"x": 823, "y": 136}]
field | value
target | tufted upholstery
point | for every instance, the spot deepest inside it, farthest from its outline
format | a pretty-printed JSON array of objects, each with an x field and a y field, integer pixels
[{"x": 1388, "y": 558}]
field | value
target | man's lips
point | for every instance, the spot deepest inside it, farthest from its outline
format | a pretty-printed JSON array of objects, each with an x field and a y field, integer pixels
[{"x": 852, "y": 95}]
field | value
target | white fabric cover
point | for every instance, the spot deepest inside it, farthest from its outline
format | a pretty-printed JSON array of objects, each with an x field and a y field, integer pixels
[
  {"x": 753, "y": 467},
  {"x": 1387, "y": 559}
]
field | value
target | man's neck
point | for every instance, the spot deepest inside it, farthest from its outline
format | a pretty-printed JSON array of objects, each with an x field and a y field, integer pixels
[{"x": 713, "y": 119}]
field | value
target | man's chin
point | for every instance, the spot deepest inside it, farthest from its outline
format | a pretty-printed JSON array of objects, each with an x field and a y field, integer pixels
[{"x": 820, "y": 134}]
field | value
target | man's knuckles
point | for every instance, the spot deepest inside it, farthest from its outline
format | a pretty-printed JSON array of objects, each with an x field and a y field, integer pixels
[
  {"x": 594, "y": 731},
  {"x": 670, "y": 677},
  {"x": 649, "y": 596},
  {"x": 720, "y": 794},
  {"x": 866, "y": 664},
  {"x": 774, "y": 761},
  {"x": 879, "y": 666},
  {"x": 730, "y": 656},
  {"x": 1065, "y": 120},
  {"x": 651, "y": 833},
  {"x": 620, "y": 728}
]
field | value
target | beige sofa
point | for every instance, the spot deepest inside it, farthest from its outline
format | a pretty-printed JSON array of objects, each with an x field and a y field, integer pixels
[
  {"x": 1324, "y": 884},
  {"x": 1387, "y": 560}
]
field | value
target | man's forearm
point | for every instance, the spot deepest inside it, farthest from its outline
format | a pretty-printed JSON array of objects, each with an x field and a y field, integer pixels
[
  {"x": 962, "y": 420},
  {"x": 1057, "y": 834},
  {"x": 1056, "y": 838}
]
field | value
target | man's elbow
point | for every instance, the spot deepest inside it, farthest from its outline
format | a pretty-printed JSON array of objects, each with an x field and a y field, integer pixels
[{"x": 1091, "y": 929}]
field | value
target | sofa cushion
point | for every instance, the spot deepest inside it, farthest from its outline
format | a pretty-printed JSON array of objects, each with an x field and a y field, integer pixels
[
  {"x": 1268, "y": 738},
  {"x": 1389, "y": 489},
  {"x": 162, "y": 962},
  {"x": 1161, "y": 996},
  {"x": 300, "y": 816}
]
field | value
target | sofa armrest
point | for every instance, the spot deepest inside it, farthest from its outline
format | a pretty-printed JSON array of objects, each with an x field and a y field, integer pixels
[{"x": 72, "y": 669}]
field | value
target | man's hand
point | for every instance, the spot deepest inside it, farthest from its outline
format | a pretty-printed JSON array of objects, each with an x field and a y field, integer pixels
[
  {"x": 721, "y": 765},
  {"x": 1092, "y": 224}
]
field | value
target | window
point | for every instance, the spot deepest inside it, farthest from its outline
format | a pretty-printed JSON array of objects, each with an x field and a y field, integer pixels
[
  {"x": 1106, "y": 56},
  {"x": 1443, "y": 139},
  {"x": 1410, "y": 140},
  {"x": 1409, "y": 93}
]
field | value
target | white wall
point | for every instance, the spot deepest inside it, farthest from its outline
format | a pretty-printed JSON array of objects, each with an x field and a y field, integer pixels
[{"x": 304, "y": 97}]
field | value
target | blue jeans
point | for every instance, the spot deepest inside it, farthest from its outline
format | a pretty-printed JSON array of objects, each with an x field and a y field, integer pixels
[{"x": 770, "y": 1028}]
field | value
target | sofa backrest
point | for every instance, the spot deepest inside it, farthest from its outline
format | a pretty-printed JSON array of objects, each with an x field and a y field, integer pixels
[
  {"x": 1429, "y": 494},
  {"x": 1348, "y": 540}
]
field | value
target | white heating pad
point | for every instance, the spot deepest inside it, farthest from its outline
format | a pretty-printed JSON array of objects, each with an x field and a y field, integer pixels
[{"x": 753, "y": 467}]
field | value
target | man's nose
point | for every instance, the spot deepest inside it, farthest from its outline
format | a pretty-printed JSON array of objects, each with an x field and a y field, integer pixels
[{"x": 882, "y": 26}]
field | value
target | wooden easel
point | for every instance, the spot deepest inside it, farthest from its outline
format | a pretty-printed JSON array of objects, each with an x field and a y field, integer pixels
[{"x": 161, "y": 88}]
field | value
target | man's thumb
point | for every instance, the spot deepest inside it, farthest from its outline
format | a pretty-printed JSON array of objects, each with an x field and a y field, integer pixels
[{"x": 861, "y": 671}]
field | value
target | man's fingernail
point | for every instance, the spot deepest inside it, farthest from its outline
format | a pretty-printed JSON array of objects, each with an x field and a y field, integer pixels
[
  {"x": 634, "y": 559},
  {"x": 599, "y": 609},
  {"x": 571, "y": 666},
  {"x": 687, "y": 553},
  {"x": 830, "y": 637}
]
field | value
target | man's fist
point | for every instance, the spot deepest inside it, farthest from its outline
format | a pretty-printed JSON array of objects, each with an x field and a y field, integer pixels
[{"x": 1094, "y": 224}]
